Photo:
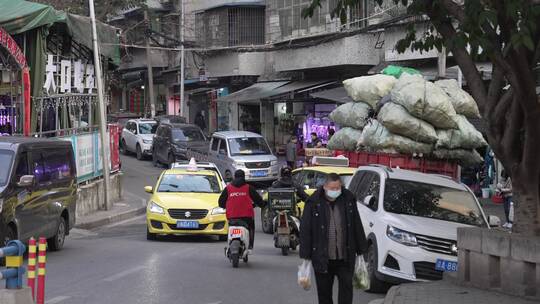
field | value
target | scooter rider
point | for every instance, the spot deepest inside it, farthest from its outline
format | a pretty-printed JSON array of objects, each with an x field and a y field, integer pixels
[
  {"x": 285, "y": 181},
  {"x": 238, "y": 199}
]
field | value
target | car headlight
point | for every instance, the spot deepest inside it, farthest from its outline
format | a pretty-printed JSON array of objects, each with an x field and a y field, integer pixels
[
  {"x": 401, "y": 236},
  {"x": 155, "y": 208},
  {"x": 239, "y": 164},
  {"x": 273, "y": 163},
  {"x": 218, "y": 210},
  {"x": 147, "y": 141}
]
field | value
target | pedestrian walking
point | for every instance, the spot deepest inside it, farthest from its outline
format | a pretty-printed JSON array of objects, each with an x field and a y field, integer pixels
[
  {"x": 331, "y": 236},
  {"x": 505, "y": 188},
  {"x": 292, "y": 152},
  {"x": 200, "y": 121}
]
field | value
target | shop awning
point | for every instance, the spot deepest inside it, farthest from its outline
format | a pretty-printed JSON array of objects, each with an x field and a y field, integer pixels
[
  {"x": 255, "y": 92},
  {"x": 302, "y": 85},
  {"x": 17, "y": 16},
  {"x": 338, "y": 95}
]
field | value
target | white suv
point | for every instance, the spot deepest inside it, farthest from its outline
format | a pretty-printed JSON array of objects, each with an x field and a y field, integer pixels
[
  {"x": 411, "y": 220},
  {"x": 137, "y": 137}
]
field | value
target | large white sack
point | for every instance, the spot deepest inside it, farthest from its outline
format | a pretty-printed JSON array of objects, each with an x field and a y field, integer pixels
[
  {"x": 352, "y": 114},
  {"x": 424, "y": 100},
  {"x": 466, "y": 158},
  {"x": 462, "y": 101},
  {"x": 369, "y": 89},
  {"x": 376, "y": 137},
  {"x": 345, "y": 139},
  {"x": 465, "y": 137},
  {"x": 398, "y": 121}
]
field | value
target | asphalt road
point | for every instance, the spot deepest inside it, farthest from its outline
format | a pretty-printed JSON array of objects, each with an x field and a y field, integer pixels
[{"x": 116, "y": 264}]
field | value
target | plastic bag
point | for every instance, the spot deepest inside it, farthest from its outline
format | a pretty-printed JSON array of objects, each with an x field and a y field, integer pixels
[
  {"x": 369, "y": 89},
  {"x": 304, "y": 274},
  {"x": 425, "y": 100},
  {"x": 466, "y": 158},
  {"x": 462, "y": 101},
  {"x": 361, "y": 275},
  {"x": 376, "y": 137},
  {"x": 396, "y": 71},
  {"x": 352, "y": 114},
  {"x": 345, "y": 139},
  {"x": 465, "y": 137},
  {"x": 397, "y": 120}
]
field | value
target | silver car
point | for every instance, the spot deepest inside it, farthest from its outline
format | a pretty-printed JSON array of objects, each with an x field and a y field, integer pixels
[{"x": 239, "y": 150}]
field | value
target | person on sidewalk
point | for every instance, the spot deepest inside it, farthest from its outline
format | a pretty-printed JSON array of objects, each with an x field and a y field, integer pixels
[
  {"x": 292, "y": 152},
  {"x": 238, "y": 199},
  {"x": 331, "y": 236},
  {"x": 505, "y": 188}
]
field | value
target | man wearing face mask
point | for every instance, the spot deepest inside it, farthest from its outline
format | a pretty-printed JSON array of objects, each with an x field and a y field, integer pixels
[{"x": 331, "y": 236}]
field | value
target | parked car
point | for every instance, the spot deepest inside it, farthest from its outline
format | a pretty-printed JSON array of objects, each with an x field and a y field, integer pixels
[
  {"x": 137, "y": 137},
  {"x": 239, "y": 150},
  {"x": 121, "y": 118},
  {"x": 411, "y": 220},
  {"x": 310, "y": 178},
  {"x": 38, "y": 189},
  {"x": 172, "y": 140}
]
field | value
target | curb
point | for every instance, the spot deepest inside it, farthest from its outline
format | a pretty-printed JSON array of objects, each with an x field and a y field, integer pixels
[
  {"x": 111, "y": 219},
  {"x": 391, "y": 295}
]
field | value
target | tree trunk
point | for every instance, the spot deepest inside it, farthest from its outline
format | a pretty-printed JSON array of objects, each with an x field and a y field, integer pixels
[{"x": 526, "y": 198}]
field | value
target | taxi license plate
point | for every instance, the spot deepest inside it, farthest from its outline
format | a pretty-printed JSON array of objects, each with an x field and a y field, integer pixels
[
  {"x": 259, "y": 173},
  {"x": 444, "y": 265},
  {"x": 187, "y": 224}
]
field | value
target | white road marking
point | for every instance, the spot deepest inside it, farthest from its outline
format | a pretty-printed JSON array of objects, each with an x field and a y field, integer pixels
[
  {"x": 123, "y": 274},
  {"x": 57, "y": 300}
]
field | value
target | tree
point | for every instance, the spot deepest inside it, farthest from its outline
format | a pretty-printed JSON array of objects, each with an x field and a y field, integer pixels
[
  {"x": 507, "y": 34},
  {"x": 103, "y": 7}
]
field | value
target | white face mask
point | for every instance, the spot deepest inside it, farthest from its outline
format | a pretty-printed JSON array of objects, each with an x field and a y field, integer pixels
[{"x": 333, "y": 194}]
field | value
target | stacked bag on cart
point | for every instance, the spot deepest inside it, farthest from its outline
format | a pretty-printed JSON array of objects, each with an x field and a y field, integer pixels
[{"x": 413, "y": 116}]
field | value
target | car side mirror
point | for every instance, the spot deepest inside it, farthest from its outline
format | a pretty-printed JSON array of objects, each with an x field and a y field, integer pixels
[
  {"x": 494, "y": 221},
  {"x": 149, "y": 189},
  {"x": 26, "y": 181},
  {"x": 369, "y": 201}
]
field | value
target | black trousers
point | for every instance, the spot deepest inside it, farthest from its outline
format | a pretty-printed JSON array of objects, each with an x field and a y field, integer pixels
[
  {"x": 247, "y": 222},
  {"x": 325, "y": 283}
]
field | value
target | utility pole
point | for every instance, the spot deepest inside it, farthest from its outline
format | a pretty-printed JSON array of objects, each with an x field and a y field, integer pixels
[
  {"x": 182, "y": 56},
  {"x": 152, "y": 99},
  {"x": 102, "y": 108}
]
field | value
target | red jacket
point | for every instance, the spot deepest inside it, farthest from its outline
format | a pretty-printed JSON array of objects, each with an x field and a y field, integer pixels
[{"x": 239, "y": 202}]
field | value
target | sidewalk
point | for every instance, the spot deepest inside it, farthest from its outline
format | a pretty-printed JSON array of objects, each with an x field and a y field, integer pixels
[
  {"x": 129, "y": 207},
  {"x": 444, "y": 292}
]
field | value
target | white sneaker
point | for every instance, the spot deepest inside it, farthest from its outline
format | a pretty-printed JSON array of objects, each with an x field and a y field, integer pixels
[
  {"x": 509, "y": 226},
  {"x": 505, "y": 225},
  {"x": 250, "y": 251}
]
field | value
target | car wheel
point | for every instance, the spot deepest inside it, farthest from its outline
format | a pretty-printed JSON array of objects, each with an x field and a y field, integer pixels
[
  {"x": 56, "y": 243},
  {"x": 140, "y": 155},
  {"x": 123, "y": 147},
  {"x": 235, "y": 259},
  {"x": 150, "y": 236},
  {"x": 267, "y": 221},
  {"x": 171, "y": 160},
  {"x": 284, "y": 251},
  {"x": 375, "y": 285}
]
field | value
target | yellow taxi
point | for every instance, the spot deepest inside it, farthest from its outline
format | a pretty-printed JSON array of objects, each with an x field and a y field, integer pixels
[
  {"x": 185, "y": 201},
  {"x": 312, "y": 178}
]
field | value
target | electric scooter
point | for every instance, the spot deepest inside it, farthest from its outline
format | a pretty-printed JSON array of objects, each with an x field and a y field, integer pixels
[
  {"x": 237, "y": 243},
  {"x": 286, "y": 225}
]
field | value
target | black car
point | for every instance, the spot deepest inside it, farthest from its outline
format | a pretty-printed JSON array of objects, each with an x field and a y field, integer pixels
[{"x": 172, "y": 140}]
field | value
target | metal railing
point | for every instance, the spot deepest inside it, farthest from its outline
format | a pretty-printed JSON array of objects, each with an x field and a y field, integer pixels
[{"x": 14, "y": 271}]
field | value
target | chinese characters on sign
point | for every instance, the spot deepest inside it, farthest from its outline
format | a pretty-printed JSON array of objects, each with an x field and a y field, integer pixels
[
  {"x": 7, "y": 41},
  {"x": 74, "y": 76}
]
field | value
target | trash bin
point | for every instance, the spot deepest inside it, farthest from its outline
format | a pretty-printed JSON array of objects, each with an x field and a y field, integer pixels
[{"x": 485, "y": 192}]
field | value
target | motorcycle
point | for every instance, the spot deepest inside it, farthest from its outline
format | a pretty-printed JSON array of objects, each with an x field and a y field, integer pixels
[
  {"x": 237, "y": 243},
  {"x": 286, "y": 224}
]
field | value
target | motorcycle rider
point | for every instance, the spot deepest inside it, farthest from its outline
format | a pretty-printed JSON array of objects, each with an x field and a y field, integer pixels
[
  {"x": 285, "y": 181},
  {"x": 238, "y": 199}
]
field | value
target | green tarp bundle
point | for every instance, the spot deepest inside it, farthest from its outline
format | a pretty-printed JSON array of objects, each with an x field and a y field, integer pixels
[{"x": 396, "y": 71}]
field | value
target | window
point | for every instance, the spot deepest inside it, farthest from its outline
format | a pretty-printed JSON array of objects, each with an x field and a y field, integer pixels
[
  {"x": 369, "y": 185},
  {"x": 52, "y": 166},
  {"x": 320, "y": 179},
  {"x": 432, "y": 201},
  {"x": 223, "y": 147},
  {"x": 309, "y": 179},
  {"x": 189, "y": 183},
  {"x": 22, "y": 166},
  {"x": 187, "y": 134},
  {"x": 215, "y": 144},
  {"x": 6, "y": 157},
  {"x": 147, "y": 128},
  {"x": 248, "y": 146},
  {"x": 356, "y": 184},
  {"x": 297, "y": 177}
]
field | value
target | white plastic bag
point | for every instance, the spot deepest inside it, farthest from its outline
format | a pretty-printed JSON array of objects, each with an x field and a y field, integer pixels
[
  {"x": 462, "y": 101},
  {"x": 345, "y": 139},
  {"x": 376, "y": 137},
  {"x": 398, "y": 121},
  {"x": 369, "y": 89},
  {"x": 352, "y": 114},
  {"x": 304, "y": 274},
  {"x": 465, "y": 137},
  {"x": 361, "y": 275}
]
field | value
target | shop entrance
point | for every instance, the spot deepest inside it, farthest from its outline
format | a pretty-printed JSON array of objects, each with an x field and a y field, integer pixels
[{"x": 249, "y": 118}]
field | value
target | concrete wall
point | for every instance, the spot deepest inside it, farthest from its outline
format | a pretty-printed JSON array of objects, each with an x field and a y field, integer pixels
[
  {"x": 353, "y": 50},
  {"x": 393, "y": 34},
  {"x": 90, "y": 197},
  {"x": 499, "y": 261},
  {"x": 232, "y": 64}
]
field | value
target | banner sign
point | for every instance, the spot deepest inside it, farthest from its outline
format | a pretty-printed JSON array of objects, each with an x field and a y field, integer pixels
[{"x": 11, "y": 46}]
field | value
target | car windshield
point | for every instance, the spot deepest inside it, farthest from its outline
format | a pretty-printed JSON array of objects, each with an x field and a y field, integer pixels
[
  {"x": 6, "y": 157},
  {"x": 189, "y": 183},
  {"x": 431, "y": 201},
  {"x": 187, "y": 134},
  {"x": 248, "y": 146},
  {"x": 147, "y": 128},
  {"x": 346, "y": 179}
]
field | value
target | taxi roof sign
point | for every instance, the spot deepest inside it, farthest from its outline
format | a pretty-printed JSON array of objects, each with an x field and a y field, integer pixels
[
  {"x": 192, "y": 166},
  {"x": 339, "y": 161}
]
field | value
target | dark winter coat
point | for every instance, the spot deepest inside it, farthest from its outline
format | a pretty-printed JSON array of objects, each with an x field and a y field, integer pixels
[
  {"x": 287, "y": 182},
  {"x": 314, "y": 230}
]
